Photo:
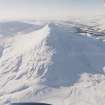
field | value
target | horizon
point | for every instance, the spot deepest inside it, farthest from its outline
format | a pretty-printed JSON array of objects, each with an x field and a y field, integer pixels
[{"x": 47, "y": 9}]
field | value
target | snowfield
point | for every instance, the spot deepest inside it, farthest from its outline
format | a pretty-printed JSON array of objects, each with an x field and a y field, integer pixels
[{"x": 60, "y": 63}]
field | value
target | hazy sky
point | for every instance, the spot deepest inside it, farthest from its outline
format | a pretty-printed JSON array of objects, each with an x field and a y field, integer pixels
[{"x": 49, "y": 8}]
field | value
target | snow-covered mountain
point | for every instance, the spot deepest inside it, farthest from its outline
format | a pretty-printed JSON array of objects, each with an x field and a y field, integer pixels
[
  {"x": 54, "y": 63},
  {"x": 93, "y": 27},
  {"x": 18, "y": 27}
]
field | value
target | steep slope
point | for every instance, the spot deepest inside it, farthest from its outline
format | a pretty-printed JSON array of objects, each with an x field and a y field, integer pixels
[{"x": 54, "y": 65}]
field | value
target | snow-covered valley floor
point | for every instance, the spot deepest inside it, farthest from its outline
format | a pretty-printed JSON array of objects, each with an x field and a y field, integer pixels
[{"x": 59, "y": 63}]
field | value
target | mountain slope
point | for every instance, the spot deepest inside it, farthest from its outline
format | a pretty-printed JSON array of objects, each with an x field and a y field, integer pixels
[
  {"x": 23, "y": 58},
  {"x": 74, "y": 54}
]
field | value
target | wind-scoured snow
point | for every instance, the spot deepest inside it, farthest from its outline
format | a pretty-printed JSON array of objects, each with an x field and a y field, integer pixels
[
  {"x": 54, "y": 64},
  {"x": 24, "y": 58}
]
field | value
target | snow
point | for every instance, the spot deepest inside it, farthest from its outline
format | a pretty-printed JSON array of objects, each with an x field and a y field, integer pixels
[
  {"x": 11, "y": 28},
  {"x": 56, "y": 64}
]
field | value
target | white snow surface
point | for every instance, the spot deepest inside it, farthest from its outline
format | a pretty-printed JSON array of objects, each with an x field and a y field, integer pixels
[{"x": 55, "y": 65}]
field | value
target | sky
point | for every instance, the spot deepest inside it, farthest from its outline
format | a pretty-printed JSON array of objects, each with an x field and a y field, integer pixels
[{"x": 49, "y": 8}]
